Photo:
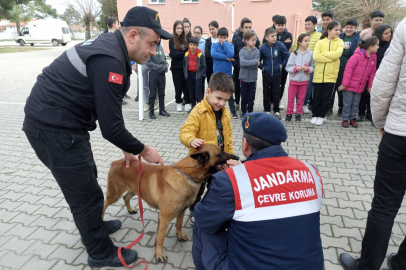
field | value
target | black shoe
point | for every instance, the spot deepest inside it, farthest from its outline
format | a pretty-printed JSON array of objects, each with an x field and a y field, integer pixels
[
  {"x": 127, "y": 96},
  {"x": 152, "y": 115},
  {"x": 340, "y": 112},
  {"x": 298, "y": 118},
  {"x": 329, "y": 112},
  {"x": 348, "y": 262},
  {"x": 361, "y": 118},
  {"x": 368, "y": 117},
  {"x": 137, "y": 98},
  {"x": 288, "y": 117},
  {"x": 242, "y": 115},
  {"x": 112, "y": 226},
  {"x": 234, "y": 115},
  {"x": 390, "y": 260},
  {"x": 164, "y": 113},
  {"x": 113, "y": 261}
]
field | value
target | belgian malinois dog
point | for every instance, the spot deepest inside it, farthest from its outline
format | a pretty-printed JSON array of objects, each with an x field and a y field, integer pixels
[{"x": 171, "y": 189}]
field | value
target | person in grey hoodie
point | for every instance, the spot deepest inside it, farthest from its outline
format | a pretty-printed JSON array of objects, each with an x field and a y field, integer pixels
[
  {"x": 249, "y": 62},
  {"x": 157, "y": 67},
  {"x": 299, "y": 66}
]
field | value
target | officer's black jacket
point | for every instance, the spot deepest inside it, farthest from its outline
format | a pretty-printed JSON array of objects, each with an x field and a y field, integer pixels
[{"x": 74, "y": 91}]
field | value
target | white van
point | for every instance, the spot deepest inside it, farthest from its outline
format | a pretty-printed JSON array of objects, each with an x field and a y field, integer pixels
[{"x": 49, "y": 31}]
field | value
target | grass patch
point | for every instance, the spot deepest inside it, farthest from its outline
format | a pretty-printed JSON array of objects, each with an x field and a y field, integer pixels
[{"x": 19, "y": 49}]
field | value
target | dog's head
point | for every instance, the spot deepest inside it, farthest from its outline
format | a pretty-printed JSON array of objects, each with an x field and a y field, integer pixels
[{"x": 212, "y": 158}]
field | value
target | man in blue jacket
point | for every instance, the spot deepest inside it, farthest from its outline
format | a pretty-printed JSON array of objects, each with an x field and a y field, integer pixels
[
  {"x": 264, "y": 213},
  {"x": 273, "y": 57}
]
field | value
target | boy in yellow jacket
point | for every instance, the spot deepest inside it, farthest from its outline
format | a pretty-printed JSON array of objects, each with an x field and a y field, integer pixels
[{"x": 210, "y": 122}]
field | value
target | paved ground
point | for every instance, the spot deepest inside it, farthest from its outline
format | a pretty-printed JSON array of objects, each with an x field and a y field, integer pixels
[{"x": 37, "y": 230}]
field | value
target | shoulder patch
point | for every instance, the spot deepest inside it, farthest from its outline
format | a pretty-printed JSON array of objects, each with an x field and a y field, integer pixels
[
  {"x": 187, "y": 54},
  {"x": 115, "y": 78}
]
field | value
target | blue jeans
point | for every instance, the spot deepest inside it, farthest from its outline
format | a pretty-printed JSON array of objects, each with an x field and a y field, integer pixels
[{"x": 309, "y": 90}]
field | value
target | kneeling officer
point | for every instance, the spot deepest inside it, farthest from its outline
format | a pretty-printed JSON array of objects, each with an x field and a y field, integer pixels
[{"x": 264, "y": 213}]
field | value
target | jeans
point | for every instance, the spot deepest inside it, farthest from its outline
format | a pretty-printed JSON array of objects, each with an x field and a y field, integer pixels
[
  {"x": 284, "y": 78},
  {"x": 195, "y": 88},
  {"x": 321, "y": 98},
  {"x": 309, "y": 90},
  {"x": 365, "y": 103},
  {"x": 300, "y": 92},
  {"x": 69, "y": 157},
  {"x": 389, "y": 191},
  {"x": 157, "y": 86},
  {"x": 181, "y": 86},
  {"x": 248, "y": 90},
  {"x": 339, "y": 93},
  {"x": 351, "y": 102},
  {"x": 236, "y": 79},
  {"x": 271, "y": 90}
]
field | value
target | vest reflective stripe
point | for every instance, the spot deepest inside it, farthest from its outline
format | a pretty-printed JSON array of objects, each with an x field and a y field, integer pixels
[
  {"x": 298, "y": 201},
  {"x": 76, "y": 61}
]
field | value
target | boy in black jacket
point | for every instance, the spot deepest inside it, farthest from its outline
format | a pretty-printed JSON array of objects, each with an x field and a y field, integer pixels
[{"x": 239, "y": 43}]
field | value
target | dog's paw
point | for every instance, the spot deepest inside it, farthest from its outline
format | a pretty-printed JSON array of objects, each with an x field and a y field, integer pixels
[
  {"x": 181, "y": 237},
  {"x": 161, "y": 258},
  {"x": 133, "y": 211}
]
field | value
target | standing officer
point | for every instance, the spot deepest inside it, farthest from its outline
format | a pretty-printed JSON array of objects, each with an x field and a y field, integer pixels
[
  {"x": 85, "y": 84},
  {"x": 270, "y": 206}
]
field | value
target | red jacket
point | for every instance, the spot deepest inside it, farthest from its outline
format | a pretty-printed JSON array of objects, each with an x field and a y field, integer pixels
[{"x": 359, "y": 70}]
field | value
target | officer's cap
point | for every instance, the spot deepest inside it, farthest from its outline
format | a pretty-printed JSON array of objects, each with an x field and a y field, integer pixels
[
  {"x": 145, "y": 17},
  {"x": 264, "y": 126}
]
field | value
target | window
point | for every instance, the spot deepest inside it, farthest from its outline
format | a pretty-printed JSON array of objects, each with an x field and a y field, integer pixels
[
  {"x": 65, "y": 30},
  {"x": 24, "y": 31},
  {"x": 190, "y": 1},
  {"x": 157, "y": 1}
]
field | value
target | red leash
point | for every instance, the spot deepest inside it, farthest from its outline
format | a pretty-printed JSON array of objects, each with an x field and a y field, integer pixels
[{"x": 143, "y": 227}]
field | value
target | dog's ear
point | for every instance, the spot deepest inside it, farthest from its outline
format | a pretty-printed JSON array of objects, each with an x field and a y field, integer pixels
[{"x": 202, "y": 157}]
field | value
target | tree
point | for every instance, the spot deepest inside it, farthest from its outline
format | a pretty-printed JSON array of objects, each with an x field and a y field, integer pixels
[
  {"x": 89, "y": 10},
  {"x": 108, "y": 9},
  {"x": 324, "y": 5},
  {"x": 71, "y": 16}
]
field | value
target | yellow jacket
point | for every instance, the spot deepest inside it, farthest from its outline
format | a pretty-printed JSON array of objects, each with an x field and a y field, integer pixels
[
  {"x": 314, "y": 38},
  {"x": 201, "y": 124},
  {"x": 327, "y": 55}
]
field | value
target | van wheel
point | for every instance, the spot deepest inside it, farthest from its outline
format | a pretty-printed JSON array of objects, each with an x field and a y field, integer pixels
[
  {"x": 32, "y": 44},
  {"x": 22, "y": 43},
  {"x": 64, "y": 44},
  {"x": 55, "y": 42}
]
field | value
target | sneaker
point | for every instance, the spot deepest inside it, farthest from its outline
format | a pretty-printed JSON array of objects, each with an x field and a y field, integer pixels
[
  {"x": 127, "y": 96},
  {"x": 390, "y": 260},
  {"x": 146, "y": 107},
  {"x": 344, "y": 124},
  {"x": 298, "y": 118},
  {"x": 348, "y": 262},
  {"x": 320, "y": 121},
  {"x": 353, "y": 123},
  {"x": 242, "y": 115},
  {"x": 288, "y": 117},
  {"x": 237, "y": 106},
  {"x": 137, "y": 98},
  {"x": 113, "y": 261},
  {"x": 192, "y": 217},
  {"x": 188, "y": 107},
  {"x": 281, "y": 107},
  {"x": 152, "y": 115},
  {"x": 179, "y": 107},
  {"x": 234, "y": 115},
  {"x": 329, "y": 112},
  {"x": 340, "y": 113},
  {"x": 306, "y": 109},
  {"x": 278, "y": 115},
  {"x": 360, "y": 118},
  {"x": 314, "y": 120},
  {"x": 164, "y": 113}
]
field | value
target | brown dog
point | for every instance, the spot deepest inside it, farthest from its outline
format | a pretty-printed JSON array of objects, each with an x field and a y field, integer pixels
[{"x": 171, "y": 189}]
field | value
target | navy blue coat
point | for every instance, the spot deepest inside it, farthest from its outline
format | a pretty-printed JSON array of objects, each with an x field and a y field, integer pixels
[
  {"x": 356, "y": 38},
  {"x": 271, "y": 57}
]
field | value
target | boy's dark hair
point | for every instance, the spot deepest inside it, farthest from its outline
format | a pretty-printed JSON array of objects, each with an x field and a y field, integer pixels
[
  {"x": 274, "y": 17},
  {"x": 221, "y": 82},
  {"x": 380, "y": 29},
  {"x": 328, "y": 14},
  {"x": 249, "y": 35},
  {"x": 110, "y": 21},
  {"x": 300, "y": 39},
  {"x": 377, "y": 13},
  {"x": 330, "y": 26},
  {"x": 280, "y": 20},
  {"x": 311, "y": 18},
  {"x": 268, "y": 31},
  {"x": 371, "y": 41},
  {"x": 215, "y": 24},
  {"x": 194, "y": 40},
  {"x": 352, "y": 22},
  {"x": 255, "y": 142},
  {"x": 222, "y": 32},
  {"x": 244, "y": 21}
]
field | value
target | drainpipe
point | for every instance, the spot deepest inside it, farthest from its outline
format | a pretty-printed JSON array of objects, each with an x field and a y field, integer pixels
[{"x": 140, "y": 84}]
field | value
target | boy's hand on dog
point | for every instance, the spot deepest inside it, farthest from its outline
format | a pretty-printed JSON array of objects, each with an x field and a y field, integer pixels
[
  {"x": 233, "y": 162},
  {"x": 196, "y": 143},
  {"x": 151, "y": 155}
]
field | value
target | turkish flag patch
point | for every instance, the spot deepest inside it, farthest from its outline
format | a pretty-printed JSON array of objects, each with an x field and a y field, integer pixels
[{"x": 115, "y": 78}]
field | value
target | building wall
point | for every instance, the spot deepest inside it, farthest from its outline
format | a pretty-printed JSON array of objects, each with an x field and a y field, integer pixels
[{"x": 260, "y": 12}]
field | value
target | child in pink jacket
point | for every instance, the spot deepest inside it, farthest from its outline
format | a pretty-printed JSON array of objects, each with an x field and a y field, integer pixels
[{"x": 360, "y": 69}]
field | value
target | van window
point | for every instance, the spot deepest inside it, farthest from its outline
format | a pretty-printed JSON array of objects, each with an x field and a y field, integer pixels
[
  {"x": 24, "y": 31},
  {"x": 65, "y": 30}
]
